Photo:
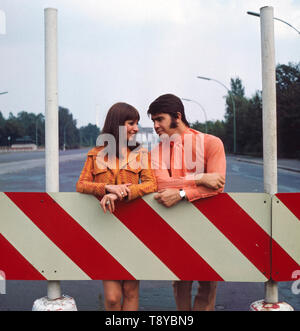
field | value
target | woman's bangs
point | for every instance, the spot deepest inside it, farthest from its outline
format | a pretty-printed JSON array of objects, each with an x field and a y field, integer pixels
[{"x": 132, "y": 115}]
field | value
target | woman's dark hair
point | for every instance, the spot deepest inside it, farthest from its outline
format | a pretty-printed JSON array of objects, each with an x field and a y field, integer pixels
[
  {"x": 168, "y": 104},
  {"x": 116, "y": 116}
]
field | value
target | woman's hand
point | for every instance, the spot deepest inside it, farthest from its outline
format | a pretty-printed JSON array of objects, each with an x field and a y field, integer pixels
[
  {"x": 120, "y": 190},
  {"x": 108, "y": 201}
]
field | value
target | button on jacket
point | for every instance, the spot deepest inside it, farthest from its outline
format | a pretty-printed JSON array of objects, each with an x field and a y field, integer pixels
[{"x": 98, "y": 172}]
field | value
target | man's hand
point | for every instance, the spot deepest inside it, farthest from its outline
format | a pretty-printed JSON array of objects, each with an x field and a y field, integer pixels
[
  {"x": 213, "y": 180},
  {"x": 168, "y": 197}
]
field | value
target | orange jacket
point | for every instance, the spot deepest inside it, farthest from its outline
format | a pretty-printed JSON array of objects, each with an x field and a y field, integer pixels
[{"x": 96, "y": 174}]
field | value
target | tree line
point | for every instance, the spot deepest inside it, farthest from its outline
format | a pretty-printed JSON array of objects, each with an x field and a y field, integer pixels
[
  {"x": 249, "y": 133},
  {"x": 248, "y": 120},
  {"x": 31, "y": 128}
]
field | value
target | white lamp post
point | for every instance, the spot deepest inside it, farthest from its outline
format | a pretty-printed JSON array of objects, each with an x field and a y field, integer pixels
[
  {"x": 233, "y": 105},
  {"x": 275, "y": 18},
  {"x": 190, "y": 100}
]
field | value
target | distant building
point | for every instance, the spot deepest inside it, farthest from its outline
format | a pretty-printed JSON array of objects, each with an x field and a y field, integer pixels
[
  {"x": 24, "y": 144},
  {"x": 147, "y": 137}
]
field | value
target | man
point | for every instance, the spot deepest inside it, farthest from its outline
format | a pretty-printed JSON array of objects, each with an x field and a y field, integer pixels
[{"x": 180, "y": 177}]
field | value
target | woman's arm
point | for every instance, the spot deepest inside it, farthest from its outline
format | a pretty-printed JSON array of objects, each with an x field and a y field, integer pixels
[
  {"x": 148, "y": 182},
  {"x": 86, "y": 183}
]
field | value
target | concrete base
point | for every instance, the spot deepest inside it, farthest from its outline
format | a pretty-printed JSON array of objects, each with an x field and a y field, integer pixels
[
  {"x": 65, "y": 303},
  {"x": 261, "y": 305}
]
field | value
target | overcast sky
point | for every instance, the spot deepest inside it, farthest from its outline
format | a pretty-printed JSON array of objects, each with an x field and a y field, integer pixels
[{"x": 136, "y": 50}]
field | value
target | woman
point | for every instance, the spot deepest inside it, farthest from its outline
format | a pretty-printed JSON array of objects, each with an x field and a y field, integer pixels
[{"x": 120, "y": 177}]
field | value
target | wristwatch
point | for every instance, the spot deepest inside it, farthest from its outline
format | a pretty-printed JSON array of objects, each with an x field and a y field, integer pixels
[{"x": 182, "y": 194}]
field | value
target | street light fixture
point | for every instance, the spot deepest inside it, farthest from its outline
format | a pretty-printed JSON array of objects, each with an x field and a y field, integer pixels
[
  {"x": 233, "y": 105},
  {"x": 275, "y": 18},
  {"x": 3, "y": 93},
  {"x": 190, "y": 100}
]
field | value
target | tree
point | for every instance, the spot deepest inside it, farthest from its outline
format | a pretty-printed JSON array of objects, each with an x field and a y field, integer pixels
[
  {"x": 40, "y": 129},
  {"x": 288, "y": 109},
  {"x": 2, "y": 129},
  {"x": 13, "y": 129},
  {"x": 253, "y": 126},
  {"x": 216, "y": 128},
  {"x": 89, "y": 135},
  {"x": 68, "y": 132},
  {"x": 241, "y": 104}
]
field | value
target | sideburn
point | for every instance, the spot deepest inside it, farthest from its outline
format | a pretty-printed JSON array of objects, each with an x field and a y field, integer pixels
[{"x": 173, "y": 124}]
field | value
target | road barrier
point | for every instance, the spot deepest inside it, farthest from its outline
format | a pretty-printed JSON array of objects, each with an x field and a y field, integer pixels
[
  {"x": 285, "y": 236},
  {"x": 67, "y": 236}
]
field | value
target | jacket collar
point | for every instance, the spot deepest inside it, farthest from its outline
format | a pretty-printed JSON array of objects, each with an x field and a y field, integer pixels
[{"x": 104, "y": 162}]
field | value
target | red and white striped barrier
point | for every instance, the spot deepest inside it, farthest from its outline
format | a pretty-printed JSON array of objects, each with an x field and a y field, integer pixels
[
  {"x": 285, "y": 236},
  {"x": 66, "y": 236}
]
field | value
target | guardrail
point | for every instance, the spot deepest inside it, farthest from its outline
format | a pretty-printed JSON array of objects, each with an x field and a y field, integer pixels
[{"x": 67, "y": 236}]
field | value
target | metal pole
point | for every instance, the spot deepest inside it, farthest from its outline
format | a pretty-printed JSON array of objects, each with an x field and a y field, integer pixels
[
  {"x": 36, "y": 134},
  {"x": 64, "y": 138},
  {"x": 202, "y": 108},
  {"x": 269, "y": 119},
  {"x": 51, "y": 130},
  {"x": 234, "y": 114},
  {"x": 275, "y": 18},
  {"x": 233, "y": 106},
  {"x": 234, "y": 122}
]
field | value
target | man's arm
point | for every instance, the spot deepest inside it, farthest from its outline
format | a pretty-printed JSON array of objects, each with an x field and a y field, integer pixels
[
  {"x": 202, "y": 185},
  {"x": 215, "y": 172}
]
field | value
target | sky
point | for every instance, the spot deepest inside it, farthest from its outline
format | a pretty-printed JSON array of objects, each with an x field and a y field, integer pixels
[{"x": 135, "y": 50}]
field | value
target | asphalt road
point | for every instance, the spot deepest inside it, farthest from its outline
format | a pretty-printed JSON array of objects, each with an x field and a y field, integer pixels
[{"x": 26, "y": 173}]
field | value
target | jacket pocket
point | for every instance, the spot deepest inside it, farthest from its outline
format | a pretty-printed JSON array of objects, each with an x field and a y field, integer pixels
[{"x": 98, "y": 167}]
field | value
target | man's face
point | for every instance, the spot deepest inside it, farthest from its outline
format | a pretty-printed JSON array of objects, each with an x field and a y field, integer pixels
[{"x": 164, "y": 124}]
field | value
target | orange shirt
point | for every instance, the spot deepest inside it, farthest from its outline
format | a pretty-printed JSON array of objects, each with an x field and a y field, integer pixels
[
  {"x": 178, "y": 171},
  {"x": 96, "y": 174}
]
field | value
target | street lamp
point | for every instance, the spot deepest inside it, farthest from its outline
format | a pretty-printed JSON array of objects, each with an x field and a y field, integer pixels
[
  {"x": 190, "y": 100},
  {"x": 64, "y": 147},
  {"x": 275, "y": 18},
  {"x": 36, "y": 133},
  {"x": 233, "y": 105}
]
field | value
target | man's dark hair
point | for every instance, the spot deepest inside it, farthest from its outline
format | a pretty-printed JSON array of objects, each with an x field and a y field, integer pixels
[{"x": 168, "y": 104}]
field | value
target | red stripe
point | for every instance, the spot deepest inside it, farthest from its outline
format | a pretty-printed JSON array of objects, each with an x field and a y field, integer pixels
[
  {"x": 164, "y": 242},
  {"x": 282, "y": 264},
  {"x": 69, "y": 236},
  {"x": 239, "y": 228},
  {"x": 14, "y": 265},
  {"x": 291, "y": 201}
]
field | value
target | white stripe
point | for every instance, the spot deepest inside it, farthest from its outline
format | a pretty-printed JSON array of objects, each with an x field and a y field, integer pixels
[
  {"x": 208, "y": 241},
  {"x": 257, "y": 206},
  {"x": 114, "y": 236},
  {"x": 286, "y": 229},
  {"x": 34, "y": 245}
]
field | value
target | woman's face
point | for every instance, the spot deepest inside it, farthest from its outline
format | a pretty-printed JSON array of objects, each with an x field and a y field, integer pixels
[{"x": 131, "y": 128}]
